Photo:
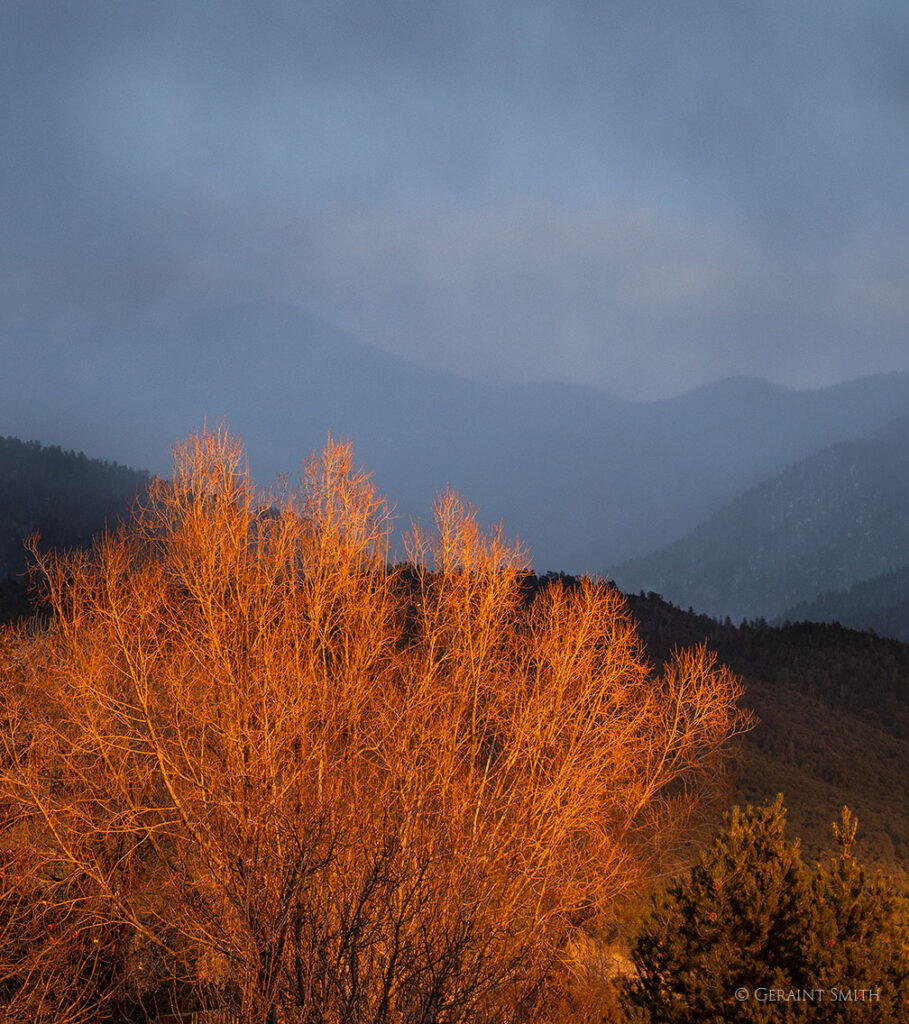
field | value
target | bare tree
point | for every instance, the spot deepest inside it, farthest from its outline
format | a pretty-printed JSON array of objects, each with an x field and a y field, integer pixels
[{"x": 271, "y": 771}]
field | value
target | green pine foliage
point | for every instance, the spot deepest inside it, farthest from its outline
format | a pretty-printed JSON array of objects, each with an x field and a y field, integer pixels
[
  {"x": 733, "y": 918},
  {"x": 859, "y": 938},
  {"x": 751, "y": 934}
]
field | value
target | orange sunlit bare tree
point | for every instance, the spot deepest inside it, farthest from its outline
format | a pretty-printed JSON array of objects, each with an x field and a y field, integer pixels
[{"x": 250, "y": 763}]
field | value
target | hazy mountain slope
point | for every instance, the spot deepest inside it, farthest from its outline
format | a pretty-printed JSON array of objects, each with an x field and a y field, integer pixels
[
  {"x": 829, "y": 520},
  {"x": 64, "y": 496},
  {"x": 880, "y": 604},
  {"x": 586, "y": 479},
  {"x": 833, "y": 723}
]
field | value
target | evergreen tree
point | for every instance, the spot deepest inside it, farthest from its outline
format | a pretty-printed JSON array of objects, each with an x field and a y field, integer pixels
[
  {"x": 749, "y": 934},
  {"x": 734, "y": 918},
  {"x": 858, "y": 944}
]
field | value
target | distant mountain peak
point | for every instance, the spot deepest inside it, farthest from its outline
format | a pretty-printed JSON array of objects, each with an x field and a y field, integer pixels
[
  {"x": 586, "y": 479},
  {"x": 824, "y": 522}
]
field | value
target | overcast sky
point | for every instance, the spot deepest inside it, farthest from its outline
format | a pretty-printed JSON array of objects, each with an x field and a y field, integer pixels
[{"x": 642, "y": 195}]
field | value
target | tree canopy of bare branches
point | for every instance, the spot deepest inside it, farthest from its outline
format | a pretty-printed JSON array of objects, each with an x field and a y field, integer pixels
[{"x": 252, "y": 763}]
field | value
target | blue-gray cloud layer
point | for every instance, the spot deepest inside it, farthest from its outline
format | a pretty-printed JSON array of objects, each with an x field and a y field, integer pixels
[{"x": 639, "y": 195}]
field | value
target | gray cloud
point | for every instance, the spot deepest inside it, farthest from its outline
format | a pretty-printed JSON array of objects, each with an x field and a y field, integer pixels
[{"x": 641, "y": 195}]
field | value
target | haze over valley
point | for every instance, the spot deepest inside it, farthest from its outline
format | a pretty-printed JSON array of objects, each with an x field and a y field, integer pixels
[
  {"x": 605, "y": 271},
  {"x": 587, "y": 480}
]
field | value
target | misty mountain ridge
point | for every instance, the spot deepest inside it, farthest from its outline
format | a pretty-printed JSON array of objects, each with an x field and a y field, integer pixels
[
  {"x": 879, "y": 605},
  {"x": 586, "y": 479},
  {"x": 63, "y": 496},
  {"x": 824, "y": 523}
]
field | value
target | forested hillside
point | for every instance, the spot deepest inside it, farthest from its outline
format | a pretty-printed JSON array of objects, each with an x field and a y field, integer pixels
[
  {"x": 833, "y": 709},
  {"x": 880, "y": 604},
  {"x": 63, "y": 495},
  {"x": 823, "y": 524}
]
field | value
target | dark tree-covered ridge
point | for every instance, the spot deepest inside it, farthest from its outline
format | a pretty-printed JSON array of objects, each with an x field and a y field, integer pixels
[{"x": 64, "y": 496}]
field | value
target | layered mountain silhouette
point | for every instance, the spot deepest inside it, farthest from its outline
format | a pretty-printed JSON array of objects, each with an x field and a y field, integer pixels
[
  {"x": 63, "y": 496},
  {"x": 823, "y": 524},
  {"x": 586, "y": 479},
  {"x": 880, "y": 605}
]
